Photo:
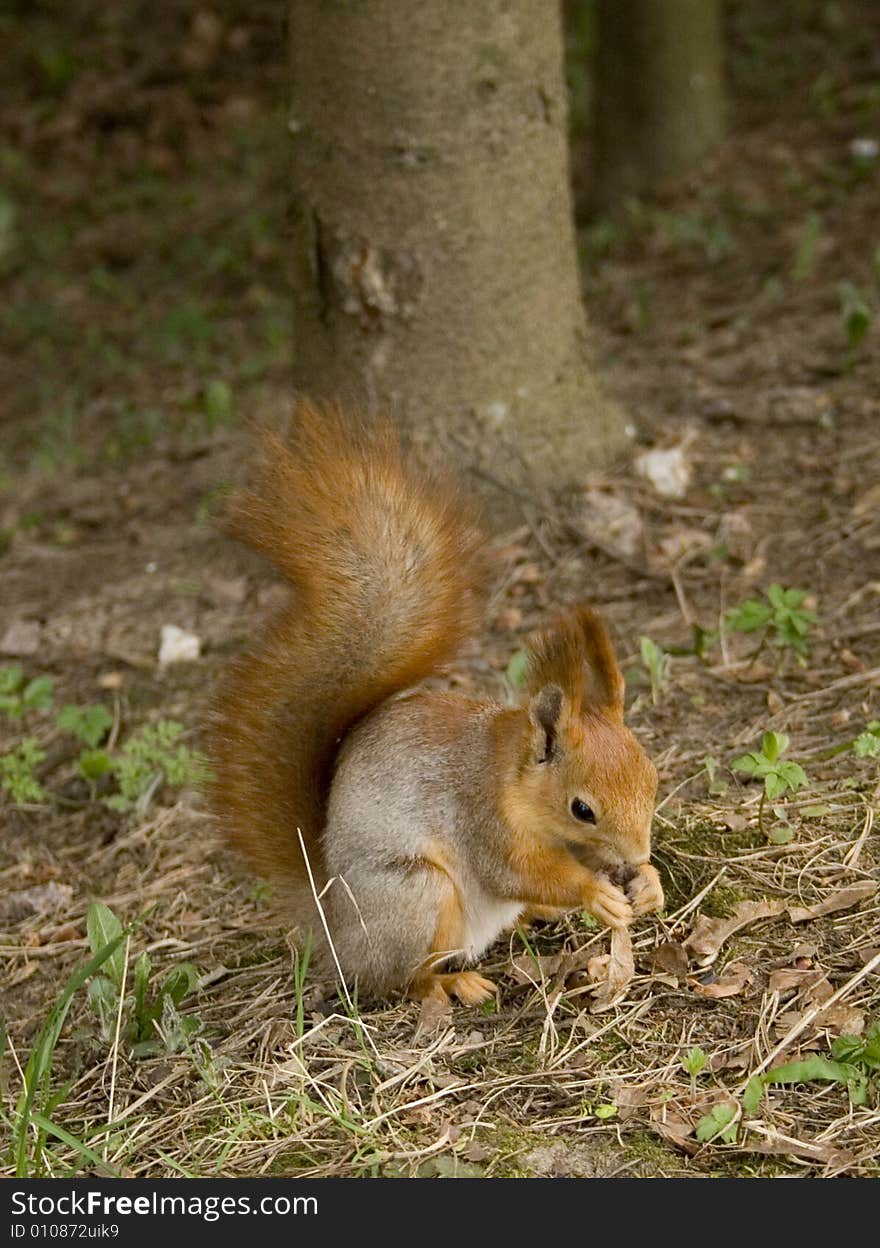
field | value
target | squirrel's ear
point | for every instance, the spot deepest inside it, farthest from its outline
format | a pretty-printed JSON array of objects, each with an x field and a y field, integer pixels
[
  {"x": 545, "y": 712},
  {"x": 604, "y": 686}
]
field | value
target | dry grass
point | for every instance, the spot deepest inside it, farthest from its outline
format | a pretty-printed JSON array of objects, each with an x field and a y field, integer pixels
[{"x": 278, "y": 1081}]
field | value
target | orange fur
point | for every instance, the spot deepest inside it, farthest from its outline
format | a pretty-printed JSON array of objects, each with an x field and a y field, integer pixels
[
  {"x": 565, "y": 745},
  {"x": 576, "y": 654},
  {"x": 387, "y": 572}
]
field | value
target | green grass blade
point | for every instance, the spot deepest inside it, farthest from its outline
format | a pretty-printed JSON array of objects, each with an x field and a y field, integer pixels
[
  {"x": 87, "y": 1154},
  {"x": 39, "y": 1066}
]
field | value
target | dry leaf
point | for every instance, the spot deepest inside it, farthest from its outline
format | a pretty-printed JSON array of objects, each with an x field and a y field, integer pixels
[
  {"x": 670, "y": 959},
  {"x": 674, "y": 1129},
  {"x": 844, "y": 899},
  {"x": 434, "y": 1015},
  {"x": 709, "y": 935},
  {"x": 730, "y": 1061},
  {"x": 621, "y": 968},
  {"x": 787, "y": 978},
  {"x": 735, "y": 823},
  {"x": 777, "y": 1145},
  {"x": 629, "y": 1099},
  {"x": 529, "y": 969},
  {"x": 736, "y": 977},
  {"x": 840, "y": 1020},
  {"x": 597, "y": 967},
  {"x": 475, "y": 1152}
]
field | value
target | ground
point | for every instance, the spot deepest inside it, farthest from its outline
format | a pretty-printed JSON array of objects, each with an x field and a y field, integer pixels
[{"x": 145, "y": 316}]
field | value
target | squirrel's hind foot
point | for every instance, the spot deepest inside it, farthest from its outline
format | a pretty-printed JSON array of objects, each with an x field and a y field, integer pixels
[{"x": 467, "y": 986}]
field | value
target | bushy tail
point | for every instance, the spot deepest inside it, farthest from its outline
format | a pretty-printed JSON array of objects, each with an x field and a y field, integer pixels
[{"x": 387, "y": 570}]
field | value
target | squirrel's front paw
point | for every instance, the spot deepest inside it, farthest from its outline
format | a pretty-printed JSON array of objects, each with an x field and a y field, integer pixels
[
  {"x": 645, "y": 890},
  {"x": 608, "y": 903}
]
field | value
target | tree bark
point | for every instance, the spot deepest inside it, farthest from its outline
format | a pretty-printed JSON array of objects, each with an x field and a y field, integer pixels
[
  {"x": 659, "y": 94},
  {"x": 436, "y": 271}
]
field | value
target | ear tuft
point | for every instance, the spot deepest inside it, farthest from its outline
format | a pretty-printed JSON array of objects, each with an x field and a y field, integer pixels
[
  {"x": 604, "y": 686},
  {"x": 577, "y": 656},
  {"x": 545, "y": 712}
]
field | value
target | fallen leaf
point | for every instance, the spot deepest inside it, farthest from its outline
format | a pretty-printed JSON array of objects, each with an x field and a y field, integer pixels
[
  {"x": 788, "y": 978},
  {"x": 709, "y": 935},
  {"x": 730, "y": 1061},
  {"x": 670, "y": 959},
  {"x": 785, "y": 1146},
  {"x": 735, "y": 979},
  {"x": 630, "y": 1099},
  {"x": 435, "y": 1014},
  {"x": 475, "y": 1152},
  {"x": 532, "y": 969},
  {"x": 597, "y": 968},
  {"x": 735, "y": 823},
  {"x": 844, "y": 899},
  {"x": 841, "y": 1020},
  {"x": 674, "y": 1129},
  {"x": 621, "y": 968}
]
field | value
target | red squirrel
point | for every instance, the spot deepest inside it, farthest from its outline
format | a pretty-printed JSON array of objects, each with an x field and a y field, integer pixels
[{"x": 431, "y": 821}]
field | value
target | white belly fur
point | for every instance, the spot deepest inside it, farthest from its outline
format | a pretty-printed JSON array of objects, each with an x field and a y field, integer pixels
[{"x": 486, "y": 918}]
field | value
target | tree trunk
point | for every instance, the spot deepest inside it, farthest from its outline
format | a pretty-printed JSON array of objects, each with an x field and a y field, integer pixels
[
  {"x": 659, "y": 94},
  {"x": 436, "y": 269}
]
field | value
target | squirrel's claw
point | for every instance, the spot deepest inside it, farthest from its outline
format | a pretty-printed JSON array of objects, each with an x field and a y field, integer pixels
[
  {"x": 645, "y": 890},
  {"x": 609, "y": 904}
]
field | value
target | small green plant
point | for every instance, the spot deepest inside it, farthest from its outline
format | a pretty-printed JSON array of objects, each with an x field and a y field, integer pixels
[
  {"x": 694, "y": 1063},
  {"x": 17, "y": 772},
  {"x": 718, "y": 1124},
  {"x": 717, "y": 788},
  {"x": 93, "y": 764},
  {"x": 856, "y": 317},
  {"x": 867, "y": 744},
  {"x": 780, "y": 776},
  {"x": 152, "y": 758},
  {"x": 301, "y": 959},
  {"x": 783, "y": 618},
  {"x": 854, "y": 1062},
  {"x": 605, "y": 1111},
  {"x": 152, "y": 1022},
  {"x": 17, "y": 698},
  {"x": 90, "y": 723},
  {"x": 656, "y": 664}
]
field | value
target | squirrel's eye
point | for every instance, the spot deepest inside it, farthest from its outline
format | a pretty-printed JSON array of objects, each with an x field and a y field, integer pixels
[{"x": 582, "y": 812}]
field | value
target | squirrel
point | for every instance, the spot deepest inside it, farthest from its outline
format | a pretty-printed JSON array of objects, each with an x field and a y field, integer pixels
[{"x": 407, "y": 826}]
